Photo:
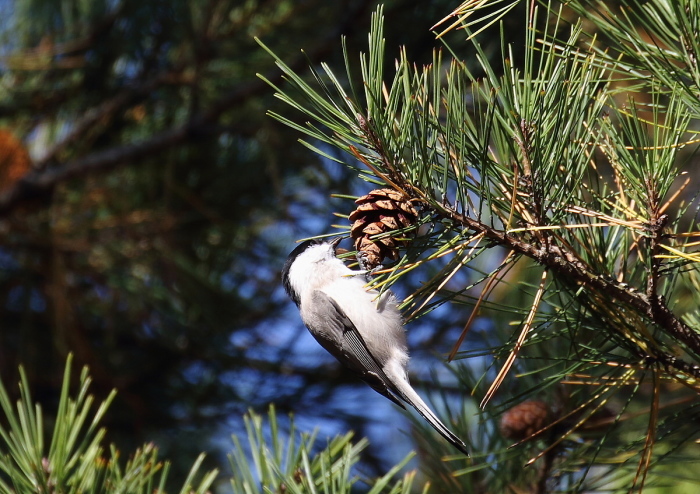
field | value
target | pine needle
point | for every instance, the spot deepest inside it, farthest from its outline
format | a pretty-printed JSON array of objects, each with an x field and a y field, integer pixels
[
  {"x": 675, "y": 195},
  {"x": 646, "y": 455},
  {"x": 374, "y": 170},
  {"x": 475, "y": 311},
  {"x": 518, "y": 344},
  {"x": 459, "y": 265}
]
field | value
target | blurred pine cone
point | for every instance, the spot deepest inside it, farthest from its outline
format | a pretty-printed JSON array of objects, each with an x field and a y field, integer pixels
[
  {"x": 524, "y": 419},
  {"x": 15, "y": 162},
  {"x": 380, "y": 211}
]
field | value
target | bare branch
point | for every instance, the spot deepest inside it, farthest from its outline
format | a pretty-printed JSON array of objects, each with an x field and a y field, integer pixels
[{"x": 40, "y": 183}]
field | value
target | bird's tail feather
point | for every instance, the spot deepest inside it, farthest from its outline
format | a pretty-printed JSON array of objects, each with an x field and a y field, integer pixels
[{"x": 409, "y": 395}]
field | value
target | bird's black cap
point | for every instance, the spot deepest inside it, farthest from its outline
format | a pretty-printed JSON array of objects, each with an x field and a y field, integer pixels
[{"x": 292, "y": 257}]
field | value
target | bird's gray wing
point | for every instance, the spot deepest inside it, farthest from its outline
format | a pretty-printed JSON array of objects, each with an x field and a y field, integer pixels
[{"x": 340, "y": 337}]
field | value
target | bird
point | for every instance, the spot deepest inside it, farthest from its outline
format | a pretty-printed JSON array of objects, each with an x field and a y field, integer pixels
[{"x": 360, "y": 327}]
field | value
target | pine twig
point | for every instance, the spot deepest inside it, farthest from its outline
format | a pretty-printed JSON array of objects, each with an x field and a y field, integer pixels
[{"x": 568, "y": 266}]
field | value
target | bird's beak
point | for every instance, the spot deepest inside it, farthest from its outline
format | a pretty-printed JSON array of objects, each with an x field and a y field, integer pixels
[{"x": 338, "y": 250}]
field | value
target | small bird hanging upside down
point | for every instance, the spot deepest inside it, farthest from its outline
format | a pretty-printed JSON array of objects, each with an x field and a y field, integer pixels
[{"x": 363, "y": 331}]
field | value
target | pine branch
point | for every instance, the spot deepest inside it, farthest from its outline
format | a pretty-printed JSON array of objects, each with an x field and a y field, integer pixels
[
  {"x": 286, "y": 464},
  {"x": 517, "y": 158},
  {"x": 105, "y": 111},
  {"x": 74, "y": 461},
  {"x": 568, "y": 266}
]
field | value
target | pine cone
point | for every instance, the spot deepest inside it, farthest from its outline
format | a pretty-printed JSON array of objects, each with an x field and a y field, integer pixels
[
  {"x": 524, "y": 419},
  {"x": 380, "y": 211}
]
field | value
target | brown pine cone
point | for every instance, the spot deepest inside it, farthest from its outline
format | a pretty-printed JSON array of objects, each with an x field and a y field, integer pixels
[
  {"x": 524, "y": 419},
  {"x": 380, "y": 211},
  {"x": 15, "y": 162}
]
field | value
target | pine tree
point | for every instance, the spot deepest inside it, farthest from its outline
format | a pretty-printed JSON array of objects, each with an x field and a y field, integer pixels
[{"x": 555, "y": 195}]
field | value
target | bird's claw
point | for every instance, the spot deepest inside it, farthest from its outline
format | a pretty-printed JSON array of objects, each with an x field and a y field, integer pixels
[{"x": 363, "y": 261}]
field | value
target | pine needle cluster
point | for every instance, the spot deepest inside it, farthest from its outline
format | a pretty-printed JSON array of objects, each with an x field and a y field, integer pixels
[{"x": 559, "y": 182}]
